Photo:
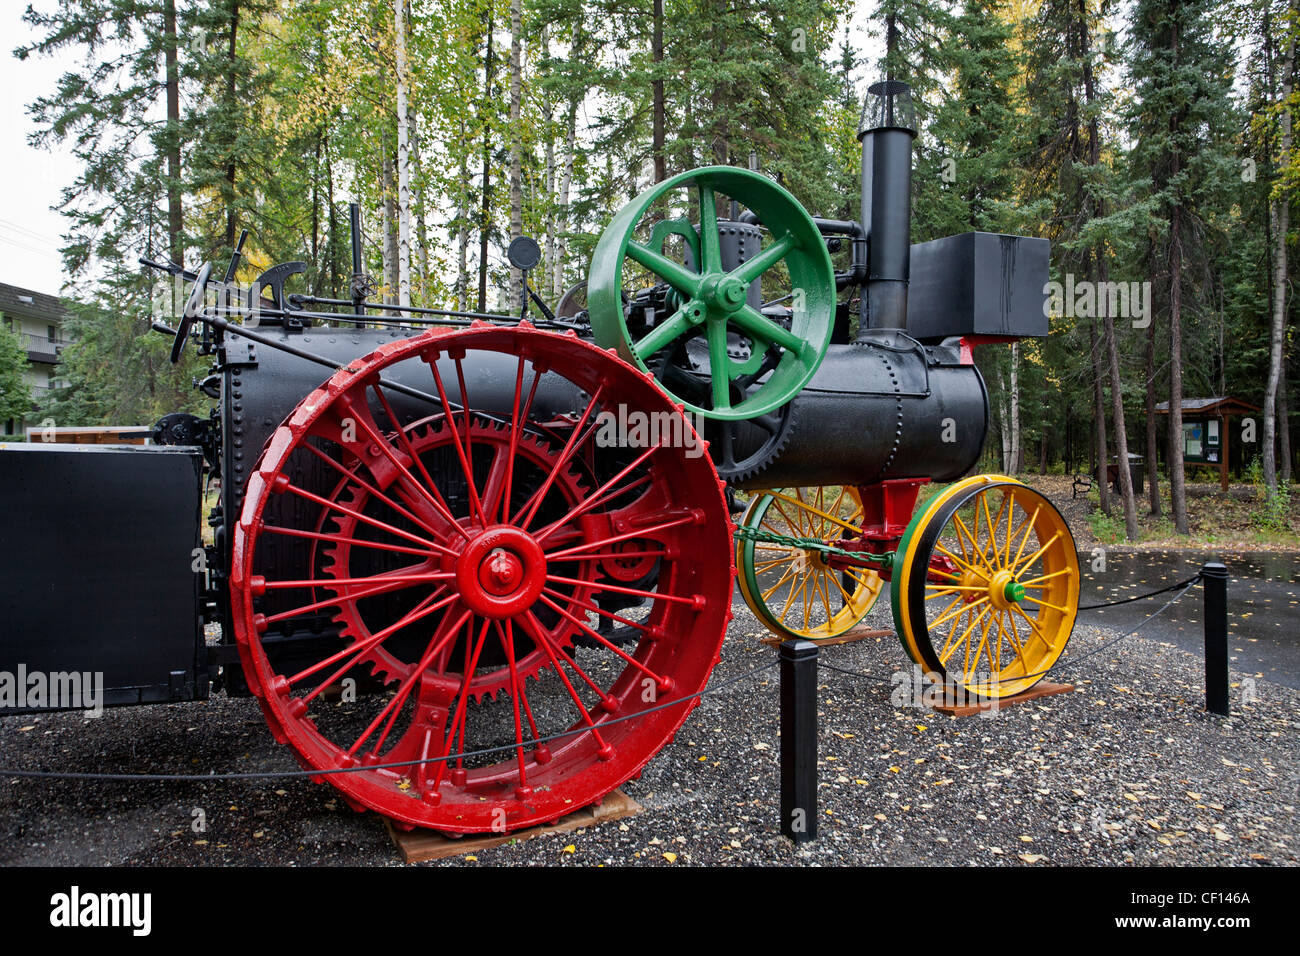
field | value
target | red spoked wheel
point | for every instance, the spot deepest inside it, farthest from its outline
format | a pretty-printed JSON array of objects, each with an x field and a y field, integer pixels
[{"x": 464, "y": 558}]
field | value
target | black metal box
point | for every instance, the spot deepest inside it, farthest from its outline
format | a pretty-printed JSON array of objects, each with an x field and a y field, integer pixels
[
  {"x": 97, "y": 571},
  {"x": 978, "y": 283}
]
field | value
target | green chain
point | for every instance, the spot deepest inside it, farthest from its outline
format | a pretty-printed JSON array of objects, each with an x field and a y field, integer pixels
[{"x": 885, "y": 560}]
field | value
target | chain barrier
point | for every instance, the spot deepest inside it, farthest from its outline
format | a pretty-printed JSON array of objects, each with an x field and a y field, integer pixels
[
  {"x": 286, "y": 774},
  {"x": 1142, "y": 597},
  {"x": 1183, "y": 586}
]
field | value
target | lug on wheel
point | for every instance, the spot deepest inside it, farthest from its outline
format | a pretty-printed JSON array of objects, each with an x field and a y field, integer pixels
[
  {"x": 467, "y": 558},
  {"x": 985, "y": 586},
  {"x": 745, "y": 360},
  {"x": 796, "y": 591}
]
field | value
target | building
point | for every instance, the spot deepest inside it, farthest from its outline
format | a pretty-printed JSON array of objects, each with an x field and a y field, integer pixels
[{"x": 38, "y": 321}]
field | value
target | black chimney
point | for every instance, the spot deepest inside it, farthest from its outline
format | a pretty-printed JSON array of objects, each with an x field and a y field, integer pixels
[{"x": 887, "y": 128}]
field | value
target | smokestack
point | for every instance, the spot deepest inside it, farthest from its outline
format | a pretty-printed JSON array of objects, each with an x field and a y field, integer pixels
[{"x": 887, "y": 128}]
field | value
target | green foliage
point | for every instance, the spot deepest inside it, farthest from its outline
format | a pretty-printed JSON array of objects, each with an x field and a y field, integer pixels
[
  {"x": 1273, "y": 511},
  {"x": 1033, "y": 119},
  {"x": 15, "y": 394},
  {"x": 1108, "y": 529}
]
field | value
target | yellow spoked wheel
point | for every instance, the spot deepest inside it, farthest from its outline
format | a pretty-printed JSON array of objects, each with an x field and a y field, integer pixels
[
  {"x": 986, "y": 586},
  {"x": 793, "y": 590}
]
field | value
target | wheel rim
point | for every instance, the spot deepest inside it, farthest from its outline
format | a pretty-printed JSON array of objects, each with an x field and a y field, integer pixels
[
  {"x": 791, "y": 589},
  {"x": 500, "y": 574},
  {"x": 987, "y": 588},
  {"x": 712, "y": 302}
]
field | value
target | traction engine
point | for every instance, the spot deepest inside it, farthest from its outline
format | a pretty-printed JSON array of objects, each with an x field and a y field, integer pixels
[{"x": 478, "y": 575}]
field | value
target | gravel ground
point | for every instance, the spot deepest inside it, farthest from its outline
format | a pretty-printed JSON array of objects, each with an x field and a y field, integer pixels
[{"x": 1128, "y": 769}]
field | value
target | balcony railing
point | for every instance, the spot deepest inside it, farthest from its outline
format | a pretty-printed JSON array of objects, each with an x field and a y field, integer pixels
[{"x": 42, "y": 345}]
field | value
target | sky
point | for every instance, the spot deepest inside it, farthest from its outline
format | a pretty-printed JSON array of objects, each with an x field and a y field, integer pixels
[{"x": 30, "y": 231}]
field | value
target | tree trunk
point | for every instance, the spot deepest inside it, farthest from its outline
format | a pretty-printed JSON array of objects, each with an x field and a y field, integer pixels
[
  {"x": 418, "y": 211},
  {"x": 462, "y": 227},
  {"x": 1099, "y": 417},
  {"x": 1117, "y": 416},
  {"x": 1283, "y": 428},
  {"x": 315, "y": 213},
  {"x": 1015, "y": 408},
  {"x": 566, "y": 183},
  {"x": 548, "y": 115},
  {"x": 1279, "y": 212},
  {"x": 403, "y": 160},
  {"x": 485, "y": 212},
  {"x": 1153, "y": 441},
  {"x": 516, "y": 131},
  {"x": 334, "y": 245},
  {"x": 231, "y": 212},
  {"x": 390, "y": 242},
  {"x": 1177, "y": 481},
  {"x": 657, "y": 94},
  {"x": 1004, "y": 426},
  {"x": 175, "y": 222}
]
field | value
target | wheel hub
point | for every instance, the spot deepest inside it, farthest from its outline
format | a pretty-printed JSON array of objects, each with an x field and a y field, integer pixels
[
  {"x": 1005, "y": 591},
  {"x": 725, "y": 292},
  {"x": 501, "y": 572}
]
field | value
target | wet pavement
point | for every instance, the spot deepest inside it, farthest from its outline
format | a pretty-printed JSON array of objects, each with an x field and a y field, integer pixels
[{"x": 1263, "y": 604}]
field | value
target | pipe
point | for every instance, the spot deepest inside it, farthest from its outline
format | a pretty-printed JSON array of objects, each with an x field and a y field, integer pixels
[{"x": 886, "y": 132}]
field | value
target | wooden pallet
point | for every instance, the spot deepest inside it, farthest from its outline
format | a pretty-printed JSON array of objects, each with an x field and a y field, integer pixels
[
  {"x": 1042, "y": 689},
  {"x": 417, "y": 846}
]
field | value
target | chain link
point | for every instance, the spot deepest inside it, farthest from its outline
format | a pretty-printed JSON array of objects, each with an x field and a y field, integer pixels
[{"x": 885, "y": 560}]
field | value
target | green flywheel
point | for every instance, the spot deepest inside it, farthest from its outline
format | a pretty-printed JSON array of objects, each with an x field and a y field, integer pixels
[{"x": 713, "y": 302}]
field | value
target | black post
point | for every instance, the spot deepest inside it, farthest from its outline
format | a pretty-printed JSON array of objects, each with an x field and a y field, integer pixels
[
  {"x": 354, "y": 217},
  {"x": 1214, "y": 579},
  {"x": 798, "y": 740}
]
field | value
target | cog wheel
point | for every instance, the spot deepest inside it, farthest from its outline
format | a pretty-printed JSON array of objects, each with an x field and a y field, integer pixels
[
  {"x": 360, "y": 618},
  {"x": 741, "y": 451}
]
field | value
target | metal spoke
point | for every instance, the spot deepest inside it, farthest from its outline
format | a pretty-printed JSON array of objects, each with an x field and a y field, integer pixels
[
  {"x": 677, "y": 276},
  {"x": 755, "y": 267}
]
